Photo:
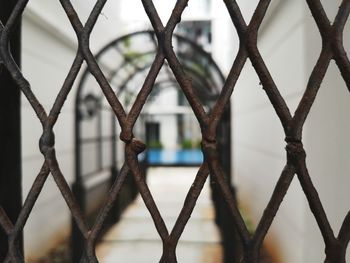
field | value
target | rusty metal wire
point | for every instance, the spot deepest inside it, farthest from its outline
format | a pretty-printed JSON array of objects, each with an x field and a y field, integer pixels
[{"x": 332, "y": 48}]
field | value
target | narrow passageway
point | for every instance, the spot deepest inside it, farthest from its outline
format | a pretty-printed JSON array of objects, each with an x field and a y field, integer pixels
[{"x": 134, "y": 239}]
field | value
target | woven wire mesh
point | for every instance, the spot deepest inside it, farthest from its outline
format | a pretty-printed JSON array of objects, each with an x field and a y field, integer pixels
[{"x": 332, "y": 48}]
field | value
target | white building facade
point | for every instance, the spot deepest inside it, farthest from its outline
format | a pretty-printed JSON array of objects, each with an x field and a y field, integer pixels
[{"x": 290, "y": 44}]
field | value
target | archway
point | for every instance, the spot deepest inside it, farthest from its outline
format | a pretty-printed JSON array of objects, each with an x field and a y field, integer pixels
[{"x": 99, "y": 153}]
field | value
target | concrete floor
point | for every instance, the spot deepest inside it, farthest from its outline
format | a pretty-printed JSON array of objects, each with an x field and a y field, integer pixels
[{"x": 134, "y": 239}]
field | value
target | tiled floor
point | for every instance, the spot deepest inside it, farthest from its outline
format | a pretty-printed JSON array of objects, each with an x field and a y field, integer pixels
[{"x": 134, "y": 239}]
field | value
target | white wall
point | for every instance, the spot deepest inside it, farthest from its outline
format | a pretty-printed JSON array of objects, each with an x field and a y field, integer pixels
[
  {"x": 258, "y": 140},
  {"x": 45, "y": 72},
  {"x": 290, "y": 44},
  {"x": 327, "y": 141},
  {"x": 49, "y": 47}
]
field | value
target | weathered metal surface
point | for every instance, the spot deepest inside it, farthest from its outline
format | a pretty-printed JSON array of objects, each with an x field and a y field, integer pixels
[{"x": 332, "y": 48}]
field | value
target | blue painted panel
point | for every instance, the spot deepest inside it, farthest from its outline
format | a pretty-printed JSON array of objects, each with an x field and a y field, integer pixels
[{"x": 175, "y": 157}]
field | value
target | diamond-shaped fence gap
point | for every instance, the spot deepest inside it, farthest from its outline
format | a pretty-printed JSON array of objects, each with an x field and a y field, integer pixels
[
  {"x": 125, "y": 61},
  {"x": 83, "y": 11},
  {"x": 169, "y": 187},
  {"x": 206, "y": 78},
  {"x": 162, "y": 108},
  {"x": 133, "y": 56},
  {"x": 135, "y": 228},
  {"x": 274, "y": 41},
  {"x": 134, "y": 84},
  {"x": 45, "y": 226},
  {"x": 331, "y": 9},
  {"x": 259, "y": 172},
  {"x": 49, "y": 65},
  {"x": 199, "y": 68},
  {"x": 201, "y": 233},
  {"x": 108, "y": 25},
  {"x": 249, "y": 97},
  {"x": 110, "y": 63},
  {"x": 258, "y": 160},
  {"x": 288, "y": 227},
  {"x": 164, "y": 9},
  {"x": 247, "y": 8},
  {"x": 325, "y": 170}
]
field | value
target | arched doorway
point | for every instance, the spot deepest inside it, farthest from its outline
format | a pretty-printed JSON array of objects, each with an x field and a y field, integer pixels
[{"x": 99, "y": 152}]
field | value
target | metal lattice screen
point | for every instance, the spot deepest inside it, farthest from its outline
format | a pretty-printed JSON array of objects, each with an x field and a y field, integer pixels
[{"x": 332, "y": 48}]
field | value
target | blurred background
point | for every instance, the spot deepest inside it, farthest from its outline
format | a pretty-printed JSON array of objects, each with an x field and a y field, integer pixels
[{"x": 87, "y": 136}]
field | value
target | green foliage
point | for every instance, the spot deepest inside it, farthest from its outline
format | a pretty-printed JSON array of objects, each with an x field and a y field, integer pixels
[
  {"x": 131, "y": 55},
  {"x": 154, "y": 145},
  {"x": 186, "y": 144},
  {"x": 201, "y": 69},
  {"x": 127, "y": 42},
  {"x": 250, "y": 225}
]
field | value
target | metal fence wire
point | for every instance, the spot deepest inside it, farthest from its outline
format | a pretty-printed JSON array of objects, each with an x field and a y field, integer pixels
[{"x": 332, "y": 48}]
